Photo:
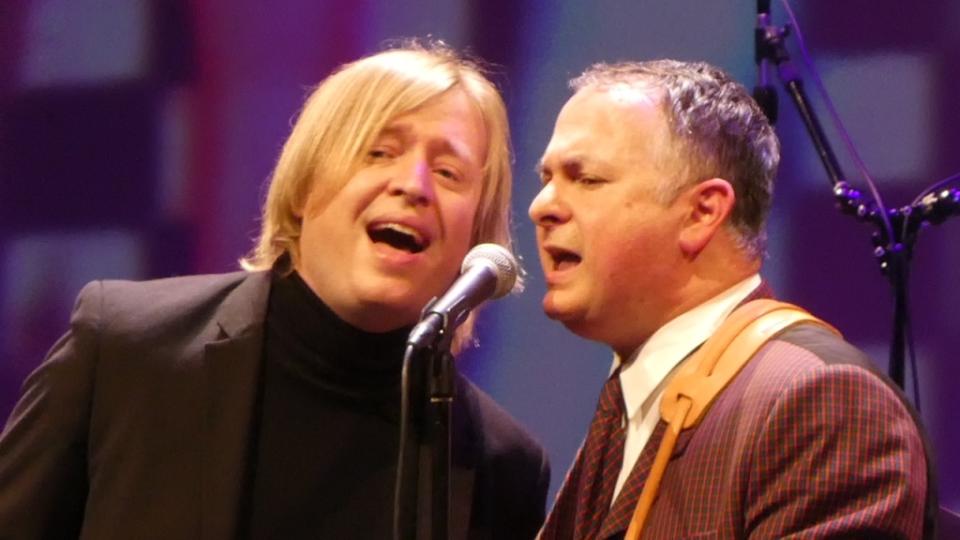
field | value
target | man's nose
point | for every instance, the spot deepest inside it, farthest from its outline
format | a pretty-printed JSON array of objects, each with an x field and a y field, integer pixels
[
  {"x": 414, "y": 180},
  {"x": 547, "y": 208}
]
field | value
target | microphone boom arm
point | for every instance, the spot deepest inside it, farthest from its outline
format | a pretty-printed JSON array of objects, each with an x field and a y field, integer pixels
[{"x": 897, "y": 227}]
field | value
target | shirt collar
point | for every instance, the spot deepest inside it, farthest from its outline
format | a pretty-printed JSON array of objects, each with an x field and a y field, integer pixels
[{"x": 649, "y": 365}]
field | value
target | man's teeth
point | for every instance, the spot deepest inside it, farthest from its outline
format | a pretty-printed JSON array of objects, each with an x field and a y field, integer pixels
[
  {"x": 398, "y": 236},
  {"x": 403, "y": 229}
]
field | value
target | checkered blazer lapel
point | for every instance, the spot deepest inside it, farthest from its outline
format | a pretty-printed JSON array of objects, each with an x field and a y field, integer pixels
[
  {"x": 560, "y": 521},
  {"x": 584, "y": 498},
  {"x": 618, "y": 519},
  {"x": 620, "y": 513},
  {"x": 622, "y": 510}
]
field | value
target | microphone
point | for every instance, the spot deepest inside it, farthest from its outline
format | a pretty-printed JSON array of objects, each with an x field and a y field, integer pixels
[
  {"x": 764, "y": 93},
  {"x": 488, "y": 271}
]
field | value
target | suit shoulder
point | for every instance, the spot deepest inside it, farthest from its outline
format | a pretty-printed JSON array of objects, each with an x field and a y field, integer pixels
[
  {"x": 180, "y": 289},
  {"x": 142, "y": 306},
  {"x": 806, "y": 350},
  {"x": 831, "y": 350},
  {"x": 828, "y": 347},
  {"x": 500, "y": 430},
  {"x": 808, "y": 356}
]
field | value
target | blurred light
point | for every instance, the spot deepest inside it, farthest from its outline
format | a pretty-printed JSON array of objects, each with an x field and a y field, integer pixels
[
  {"x": 886, "y": 103},
  {"x": 84, "y": 41}
]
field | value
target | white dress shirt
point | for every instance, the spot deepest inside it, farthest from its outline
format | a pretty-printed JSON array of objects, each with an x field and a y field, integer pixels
[{"x": 644, "y": 374}]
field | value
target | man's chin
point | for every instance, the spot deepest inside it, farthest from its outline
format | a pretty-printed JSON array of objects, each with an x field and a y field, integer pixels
[
  {"x": 560, "y": 312},
  {"x": 380, "y": 317},
  {"x": 385, "y": 310},
  {"x": 574, "y": 318}
]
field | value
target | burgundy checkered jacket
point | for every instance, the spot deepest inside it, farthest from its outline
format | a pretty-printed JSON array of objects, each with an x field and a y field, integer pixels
[{"x": 808, "y": 441}]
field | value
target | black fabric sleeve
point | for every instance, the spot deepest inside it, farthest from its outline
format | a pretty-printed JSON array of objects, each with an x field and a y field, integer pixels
[{"x": 43, "y": 447}]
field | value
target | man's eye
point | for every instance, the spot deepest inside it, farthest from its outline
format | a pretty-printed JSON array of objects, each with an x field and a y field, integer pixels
[
  {"x": 590, "y": 180},
  {"x": 449, "y": 174},
  {"x": 379, "y": 154}
]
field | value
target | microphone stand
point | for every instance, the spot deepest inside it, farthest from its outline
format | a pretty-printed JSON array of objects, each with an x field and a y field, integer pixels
[
  {"x": 897, "y": 227},
  {"x": 428, "y": 382}
]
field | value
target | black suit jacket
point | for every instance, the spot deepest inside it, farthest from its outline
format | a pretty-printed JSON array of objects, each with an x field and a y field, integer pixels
[{"x": 138, "y": 423}]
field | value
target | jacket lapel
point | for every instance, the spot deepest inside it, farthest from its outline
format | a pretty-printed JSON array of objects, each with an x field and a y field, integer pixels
[
  {"x": 231, "y": 369},
  {"x": 461, "y": 500},
  {"x": 622, "y": 509},
  {"x": 621, "y": 512},
  {"x": 763, "y": 291}
]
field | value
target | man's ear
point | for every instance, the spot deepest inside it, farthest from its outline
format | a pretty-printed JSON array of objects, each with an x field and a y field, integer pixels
[{"x": 709, "y": 205}]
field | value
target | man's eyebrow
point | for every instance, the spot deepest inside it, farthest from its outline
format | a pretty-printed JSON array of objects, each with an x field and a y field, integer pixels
[
  {"x": 571, "y": 166},
  {"x": 446, "y": 146},
  {"x": 396, "y": 130},
  {"x": 441, "y": 145}
]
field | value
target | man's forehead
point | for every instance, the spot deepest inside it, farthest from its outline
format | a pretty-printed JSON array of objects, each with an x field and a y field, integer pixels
[
  {"x": 613, "y": 104},
  {"x": 638, "y": 93},
  {"x": 625, "y": 110},
  {"x": 450, "y": 123},
  {"x": 613, "y": 125}
]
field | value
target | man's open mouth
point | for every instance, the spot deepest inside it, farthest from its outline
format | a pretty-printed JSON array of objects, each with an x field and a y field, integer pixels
[
  {"x": 562, "y": 258},
  {"x": 398, "y": 237}
]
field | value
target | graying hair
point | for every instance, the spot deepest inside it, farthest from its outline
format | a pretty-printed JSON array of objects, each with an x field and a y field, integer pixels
[{"x": 719, "y": 132}]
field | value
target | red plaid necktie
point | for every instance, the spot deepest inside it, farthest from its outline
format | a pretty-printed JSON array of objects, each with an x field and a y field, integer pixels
[{"x": 585, "y": 496}]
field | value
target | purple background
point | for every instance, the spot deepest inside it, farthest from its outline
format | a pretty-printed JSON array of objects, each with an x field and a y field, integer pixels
[{"x": 136, "y": 137}]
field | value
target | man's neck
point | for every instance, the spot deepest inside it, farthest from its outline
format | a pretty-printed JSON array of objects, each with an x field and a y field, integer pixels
[
  {"x": 704, "y": 282},
  {"x": 706, "y": 292}
]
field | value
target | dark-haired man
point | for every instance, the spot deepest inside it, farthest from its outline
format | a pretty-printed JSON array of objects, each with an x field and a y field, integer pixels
[{"x": 650, "y": 225}]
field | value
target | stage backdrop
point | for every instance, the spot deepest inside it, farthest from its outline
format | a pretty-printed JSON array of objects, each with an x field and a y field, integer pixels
[{"x": 136, "y": 137}]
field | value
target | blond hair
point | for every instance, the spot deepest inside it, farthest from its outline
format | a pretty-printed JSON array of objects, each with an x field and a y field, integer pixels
[{"x": 345, "y": 113}]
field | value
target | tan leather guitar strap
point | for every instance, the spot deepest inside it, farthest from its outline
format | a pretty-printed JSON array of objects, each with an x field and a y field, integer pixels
[{"x": 708, "y": 371}]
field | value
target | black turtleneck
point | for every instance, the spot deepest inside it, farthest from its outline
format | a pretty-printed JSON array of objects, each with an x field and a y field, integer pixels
[{"x": 325, "y": 456}]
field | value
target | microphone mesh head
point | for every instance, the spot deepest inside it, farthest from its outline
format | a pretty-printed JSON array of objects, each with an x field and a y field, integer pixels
[{"x": 497, "y": 258}]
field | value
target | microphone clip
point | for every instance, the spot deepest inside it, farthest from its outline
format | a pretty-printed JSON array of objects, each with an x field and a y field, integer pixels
[
  {"x": 769, "y": 41},
  {"x": 433, "y": 331},
  {"x": 768, "y": 48}
]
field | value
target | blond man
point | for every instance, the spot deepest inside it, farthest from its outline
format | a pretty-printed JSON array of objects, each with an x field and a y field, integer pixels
[{"x": 264, "y": 403}]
